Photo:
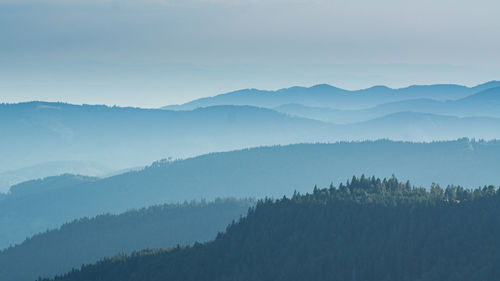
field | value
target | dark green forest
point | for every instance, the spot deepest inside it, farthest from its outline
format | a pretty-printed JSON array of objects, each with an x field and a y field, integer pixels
[
  {"x": 89, "y": 239},
  {"x": 367, "y": 229}
]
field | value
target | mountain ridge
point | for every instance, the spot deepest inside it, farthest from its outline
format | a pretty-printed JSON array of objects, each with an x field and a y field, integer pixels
[
  {"x": 481, "y": 104},
  {"x": 249, "y": 173},
  {"x": 116, "y": 138},
  {"x": 387, "y": 95}
]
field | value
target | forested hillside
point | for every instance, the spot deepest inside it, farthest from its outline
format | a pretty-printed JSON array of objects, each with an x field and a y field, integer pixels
[
  {"x": 258, "y": 172},
  {"x": 89, "y": 239},
  {"x": 368, "y": 229}
]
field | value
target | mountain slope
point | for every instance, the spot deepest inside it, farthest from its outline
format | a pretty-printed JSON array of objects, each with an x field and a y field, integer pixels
[
  {"x": 487, "y": 102},
  {"x": 46, "y": 169},
  {"x": 368, "y": 230},
  {"x": 425, "y": 127},
  {"x": 88, "y": 240},
  {"x": 40, "y": 186},
  {"x": 259, "y": 172},
  {"x": 329, "y": 96},
  {"x": 355, "y": 116},
  {"x": 482, "y": 104},
  {"x": 120, "y": 138}
]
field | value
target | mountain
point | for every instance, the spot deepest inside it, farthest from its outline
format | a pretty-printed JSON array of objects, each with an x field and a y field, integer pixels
[
  {"x": 115, "y": 138},
  {"x": 414, "y": 126},
  {"x": 488, "y": 101},
  {"x": 251, "y": 173},
  {"x": 369, "y": 229},
  {"x": 487, "y": 85},
  {"x": 337, "y": 116},
  {"x": 120, "y": 138},
  {"x": 40, "y": 186},
  {"x": 267, "y": 99},
  {"x": 87, "y": 240},
  {"x": 329, "y": 96},
  {"x": 482, "y": 104},
  {"x": 42, "y": 170},
  {"x": 325, "y": 114}
]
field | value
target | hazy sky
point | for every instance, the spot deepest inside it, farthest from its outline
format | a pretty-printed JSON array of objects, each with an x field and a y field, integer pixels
[{"x": 156, "y": 52}]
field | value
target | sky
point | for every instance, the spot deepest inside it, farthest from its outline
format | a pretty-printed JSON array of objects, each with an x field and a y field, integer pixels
[{"x": 150, "y": 53}]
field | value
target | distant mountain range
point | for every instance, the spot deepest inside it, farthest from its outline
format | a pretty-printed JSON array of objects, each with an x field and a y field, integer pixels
[
  {"x": 328, "y": 96},
  {"x": 88, "y": 240},
  {"x": 114, "y": 138},
  {"x": 128, "y": 137},
  {"x": 483, "y": 104},
  {"x": 35, "y": 206}
]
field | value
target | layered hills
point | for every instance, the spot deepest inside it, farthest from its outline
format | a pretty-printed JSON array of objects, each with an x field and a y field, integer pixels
[
  {"x": 275, "y": 171},
  {"x": 57, "y": 138},
  {"x": 330, "y": 96}
]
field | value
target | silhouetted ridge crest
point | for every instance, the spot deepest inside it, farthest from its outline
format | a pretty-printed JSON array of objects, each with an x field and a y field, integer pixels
[
  {"x": 331, "y": 96},
  {"x": 489, "y": 95}
]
